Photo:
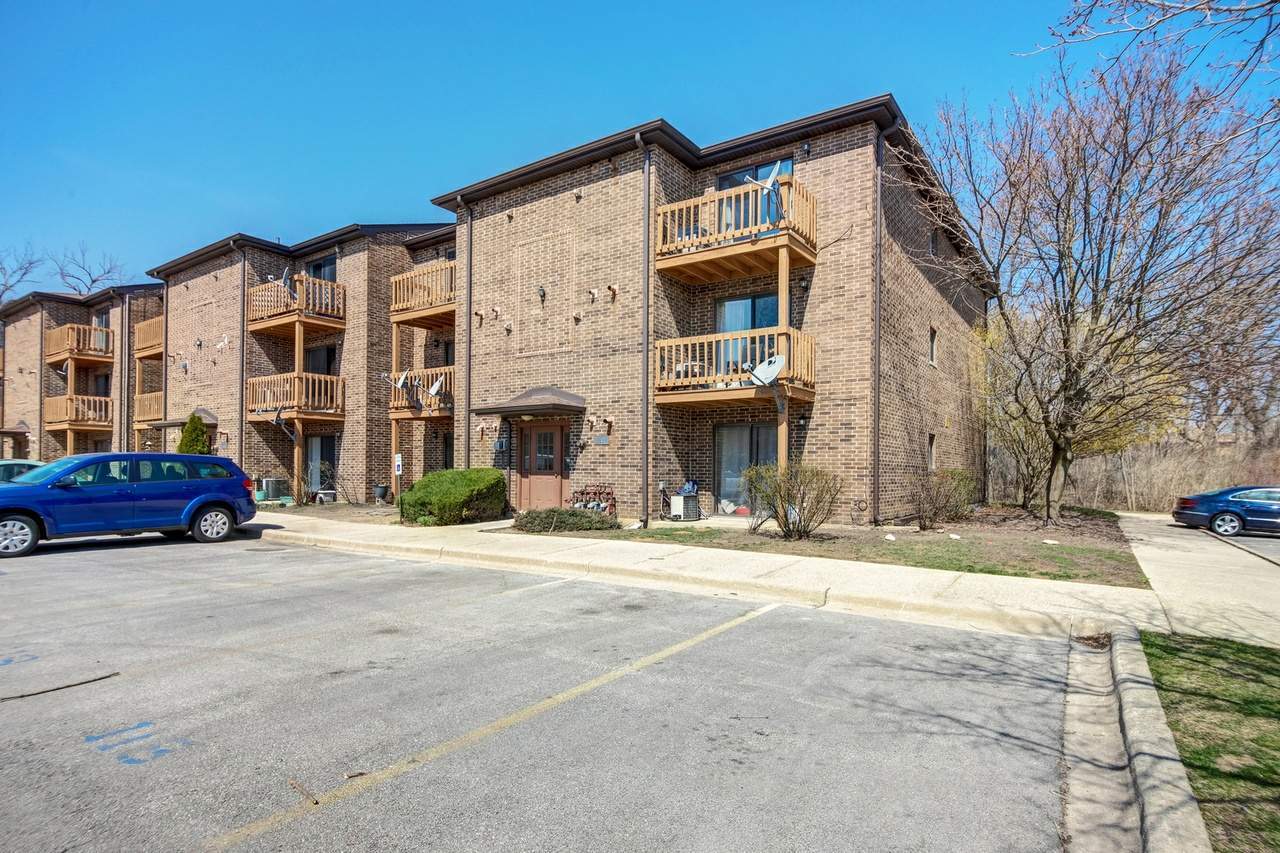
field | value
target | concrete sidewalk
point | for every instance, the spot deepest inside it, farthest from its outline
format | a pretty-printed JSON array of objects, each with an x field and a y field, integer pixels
[
  {"x": 954, "y": 599},
  {"x": 1207, "y": 586}
]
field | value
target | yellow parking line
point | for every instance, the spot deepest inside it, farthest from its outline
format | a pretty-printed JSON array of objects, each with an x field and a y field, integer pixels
[{"x": 363, "y": 783}]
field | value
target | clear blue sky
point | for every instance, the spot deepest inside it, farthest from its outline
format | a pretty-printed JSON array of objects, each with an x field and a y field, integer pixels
[{"x": 148, "y": 129}]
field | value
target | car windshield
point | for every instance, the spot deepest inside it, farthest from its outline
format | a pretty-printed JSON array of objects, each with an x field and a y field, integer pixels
[{"x": 44, "y": 472}]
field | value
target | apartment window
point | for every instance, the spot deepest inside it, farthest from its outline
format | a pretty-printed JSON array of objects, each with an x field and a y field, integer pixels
[
  {"x": 933, "y": 346},
  {"x": 450, "y": 254},
  {"x": 446, "y": 450},
  {"x": 448, "y": 353},
  {"x": 933, "y": 242},
  {"x": 770, "y": 208},
  {"x": 320, "y": 360},
  {"x": 102, "y": 385},
  {"x": 326, "y": 268},
  {"x": 933, "y": 452}
]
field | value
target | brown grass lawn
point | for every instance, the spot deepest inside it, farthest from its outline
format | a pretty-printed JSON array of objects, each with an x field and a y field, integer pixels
[
  {"x": 997, "y": 541},
  {"x": 1222, "y": 700}
]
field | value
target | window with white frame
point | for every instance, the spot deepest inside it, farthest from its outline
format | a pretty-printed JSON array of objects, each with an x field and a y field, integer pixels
[
  {"x": 933, "y": 346},
  {"x": 933, "y": 452}
]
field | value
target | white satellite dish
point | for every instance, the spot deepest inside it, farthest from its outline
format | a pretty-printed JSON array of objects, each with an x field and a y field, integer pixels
[
  {"x": 767, "y": 372},
  {"x": 770, "y": 185},
  {"x": 402, "y": 380},
  {"x": 434, "y": 390}
]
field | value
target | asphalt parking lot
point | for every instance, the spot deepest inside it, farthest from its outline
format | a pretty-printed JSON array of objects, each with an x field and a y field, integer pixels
[
  {"x": 283, "y": 698},
  {"x": 1263, "y": 544}
]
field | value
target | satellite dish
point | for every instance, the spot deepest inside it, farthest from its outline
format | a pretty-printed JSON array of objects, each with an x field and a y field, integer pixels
[
  {"x": 283, "y": 424},
  {"x": 402, "y": 380},
  {"x": 770, "y": 185},
  {"x": 286, "y": 282},
  {"x": 767, "y": 372},
  {"x": 434, "y": 390}
]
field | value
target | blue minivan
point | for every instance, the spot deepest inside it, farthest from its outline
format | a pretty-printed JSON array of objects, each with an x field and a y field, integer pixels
[{"x": 124, "y": 493}]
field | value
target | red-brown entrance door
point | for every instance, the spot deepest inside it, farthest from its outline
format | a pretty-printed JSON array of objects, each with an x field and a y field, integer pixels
[{"x": 542, "y": 480}]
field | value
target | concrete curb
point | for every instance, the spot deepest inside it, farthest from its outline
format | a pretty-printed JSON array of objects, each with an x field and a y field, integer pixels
[
  {"x": 1169, "y": 814},
  {"x": 1234, "y": 544},
  {"x": 1003, "y": 619}
]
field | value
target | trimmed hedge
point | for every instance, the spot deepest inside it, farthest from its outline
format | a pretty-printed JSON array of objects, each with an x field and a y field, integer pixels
[
  {"x": 456, "y": 496},
  {"x": 551, "y": 520}
]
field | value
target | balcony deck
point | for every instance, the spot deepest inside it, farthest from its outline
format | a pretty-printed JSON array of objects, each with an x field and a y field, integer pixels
[
  {"x": 418, "y": 405},
  {"x": 425, "y": 297},
  {"x": 148, "y": 338},
  {"x": 80, "y": 342},
  {"x": 711, "y": 370},
  {"x": 147, "y": 408},
  {"x": 78, "y": 412},
  {"x": 307, "y": 396},
  {"x": 736, "y": 233},
  {"x": 274, "y": 308}
]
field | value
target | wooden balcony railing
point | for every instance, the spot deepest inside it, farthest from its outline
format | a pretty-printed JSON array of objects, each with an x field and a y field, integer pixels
[
  {"x": 78, "y": 339},
  {"x": 309, "y": 392},
  {"x": 740, "y": 213},
  {"x": 148, "y": 407},
  {"x": 414, "y": 397},
  {"x": 310, "y": 297},
  {"x": 427, "y": 287},
  {"x": 148, "y": 334},
  {"x": 78, "y": 409},
  {"x": 724, "y": 360}
]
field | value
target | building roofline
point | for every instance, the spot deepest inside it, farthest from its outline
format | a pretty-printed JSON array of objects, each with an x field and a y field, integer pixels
[
  {"x": 312, "y": 244},
  {"x": 881, "y": 109},
  {"x": 213, "y": 250},
  {"x": 36, "y": 297},
  {"x": 442, "y": 234}
]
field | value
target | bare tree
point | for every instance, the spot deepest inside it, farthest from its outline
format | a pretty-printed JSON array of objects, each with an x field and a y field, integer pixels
[
  {"x": 1243, "y": 31},
  {"x": 83, "y": 274},
  {"x": 18, "y": 267},
  {"x": 1121, "y": 220}
]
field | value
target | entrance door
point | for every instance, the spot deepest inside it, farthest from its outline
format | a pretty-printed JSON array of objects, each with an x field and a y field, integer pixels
[
  {"x": 322, "y": 462},
  {"x": 738, "y": 447},
  {"x": 542, "y": 477}
]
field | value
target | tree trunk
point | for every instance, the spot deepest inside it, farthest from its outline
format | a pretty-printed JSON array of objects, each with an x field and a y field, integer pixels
[{"x": 1056, "y": 483}]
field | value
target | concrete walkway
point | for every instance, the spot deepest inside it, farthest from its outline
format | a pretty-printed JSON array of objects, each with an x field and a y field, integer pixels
[
  {"x": 1207, "y": 587},
  {"x": 955, "y": 599}
]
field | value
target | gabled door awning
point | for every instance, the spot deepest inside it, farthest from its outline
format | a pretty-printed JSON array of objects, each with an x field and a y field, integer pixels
[{"x": 537, "y": 401}]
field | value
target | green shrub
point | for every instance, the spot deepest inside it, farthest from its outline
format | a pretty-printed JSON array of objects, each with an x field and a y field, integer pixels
[
  {"x": 945, "y": 495},
  {"x": 799, "y": 498},
  {"x": 195, "y": 436},
  {"x": 551, "y": 520},
  {"x": 456, "y": 496}
]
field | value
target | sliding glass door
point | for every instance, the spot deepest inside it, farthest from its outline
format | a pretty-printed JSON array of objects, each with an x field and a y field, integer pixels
[{"x": 738, "y": 447}]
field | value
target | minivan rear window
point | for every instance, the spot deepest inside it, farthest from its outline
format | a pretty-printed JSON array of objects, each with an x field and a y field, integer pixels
[{"x": 210, "y": 471}]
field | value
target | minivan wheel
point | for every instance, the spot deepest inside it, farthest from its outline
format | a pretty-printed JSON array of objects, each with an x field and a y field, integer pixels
[
  {"x": 212, "y": 525},
  {"x": 1226, "y": 524},
  {"x": 18, "y": 535}
]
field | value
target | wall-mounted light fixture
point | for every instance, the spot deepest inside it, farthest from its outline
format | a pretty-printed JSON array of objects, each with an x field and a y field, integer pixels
[
  {"x": 577, "y": 195},
  {"x": 494, "y": 312},
  {"x": 613, "y": 291},
  {"x": 511, "y": 216},
  {"x": 507, "y": 327},
  {"x": 479, "y": 317},
  {"x": 542, "y": 294},
  {"x": 802, "y": 421},
  {"x": 804, "y": 148},
  {"x": 594, "y": 293}
]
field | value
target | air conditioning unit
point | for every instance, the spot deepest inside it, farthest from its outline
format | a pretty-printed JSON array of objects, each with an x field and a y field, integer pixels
[{"x": 685, "y": 508}]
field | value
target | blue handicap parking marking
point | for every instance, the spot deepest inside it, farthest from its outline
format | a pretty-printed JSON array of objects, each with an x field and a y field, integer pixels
[
  {"x": 19, "y": 656},
  {"x": 145, "y": 730}
]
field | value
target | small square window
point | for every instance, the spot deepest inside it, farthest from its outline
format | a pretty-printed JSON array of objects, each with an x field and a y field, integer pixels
[
  {"x": 933, "y": 452},
  {"x": 933, "y": 346}
]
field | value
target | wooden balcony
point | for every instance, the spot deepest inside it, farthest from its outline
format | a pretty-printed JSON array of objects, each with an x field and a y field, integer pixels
[
  {"x": 78, "y": 412},
  {"x": 148, "y": 338},
  {"x": 736, "y": 233},
  {"x": 713, "y": 370},
  {"x": 147, "y": 408},
  {"x": 413, "y": 402},
  {"x": 307, "y": 396},
  {"x": 425, "y": 297},
  {"x": 78, "y": 341},
  {"x": 275, "y": 307}
]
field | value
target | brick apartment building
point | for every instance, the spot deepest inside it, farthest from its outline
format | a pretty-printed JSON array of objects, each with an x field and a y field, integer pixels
[
  {"x": 69, "y": 367},
  {"x": 592, "y": 318}
]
